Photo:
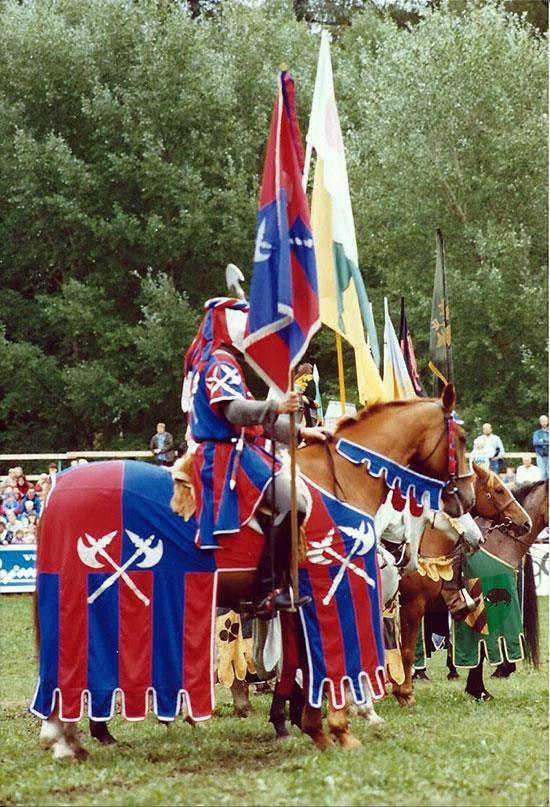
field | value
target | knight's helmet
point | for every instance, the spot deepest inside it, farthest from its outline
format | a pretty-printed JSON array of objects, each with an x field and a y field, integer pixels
[{"x": 223, "y": 325}]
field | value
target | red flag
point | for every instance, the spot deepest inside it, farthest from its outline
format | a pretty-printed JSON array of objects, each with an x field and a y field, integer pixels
[{"x": 284, "y": 299}]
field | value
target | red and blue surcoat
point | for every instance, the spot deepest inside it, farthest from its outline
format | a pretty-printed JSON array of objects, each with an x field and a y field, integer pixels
[{"x": 231, "y": 468}]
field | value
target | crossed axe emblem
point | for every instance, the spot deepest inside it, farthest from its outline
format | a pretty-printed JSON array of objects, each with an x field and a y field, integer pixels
[
  {"x": 88, "y": 554},
  {"x": 321, "y": 552}
]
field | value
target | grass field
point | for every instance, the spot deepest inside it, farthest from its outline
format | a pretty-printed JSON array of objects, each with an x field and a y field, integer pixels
[{"x": 449, "y": 750}]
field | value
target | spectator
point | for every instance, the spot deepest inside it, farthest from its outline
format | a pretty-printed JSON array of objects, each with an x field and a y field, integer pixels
[
  {"x": 22, "y": 485},
  {"x": 33, "y": 498},
  {"x": 479, "y": 454},
  {"x": 509, "y": 477},
  {"x": 6, "y": 537},
  {"x": 30, "y": 534},
  {"x": 19, "y": 537},
  {"x": 162, "y": 445},
  {"x": 527, "y": 472},
  {"x": 493, "y": 446},
  {"x": 305, "y": 385},
  {"x": 52, "y": 470},
  {"x": 540, "y": 444},
  {"x": 10, "y": 502},
  {"x": 42, "y": 480},
  {"x": 13, "y": 522}
]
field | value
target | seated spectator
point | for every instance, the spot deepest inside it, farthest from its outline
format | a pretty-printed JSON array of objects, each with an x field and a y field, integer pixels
[
  {"x": 30, "y": 534},
  {"x": 28, "y": 510},
  {"x": 42, "y": 480},
  {"x": 6, "y": 537},
  {"x": 11, "y": 478},
  {"x": 22, "y": 485},
  {"x": 15, "y": 521},
  {"x": 10, "y": 502},
  {"x": 509, "y": 477},
  {"x": 19, "y": 537},
  {"x": 527, "y": 472},
  {"x": 34, "y": 499}
]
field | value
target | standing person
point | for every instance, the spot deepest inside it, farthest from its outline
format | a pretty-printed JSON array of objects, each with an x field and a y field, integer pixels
[
  {"x": 304, "y": 384},
  {"x": 527, "y": 472},
  {"x": 492, "y": 444},
  {"x": 232, "y": 473},
  {"x": 540, "y": 444},
  {"x": 162, "y": 445}
]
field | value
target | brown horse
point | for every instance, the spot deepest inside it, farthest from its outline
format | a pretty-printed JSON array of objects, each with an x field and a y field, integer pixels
[
  {"x": 495, "y": 503},
  {"x": 410, "y": 433}
]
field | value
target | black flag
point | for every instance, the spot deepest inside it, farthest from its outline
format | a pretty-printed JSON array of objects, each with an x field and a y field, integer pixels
[{"x": 441, "y": 355}]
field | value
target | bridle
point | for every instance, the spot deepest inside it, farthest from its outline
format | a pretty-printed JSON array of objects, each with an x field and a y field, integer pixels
[
  {"x": 507, "y": 520},
  {"x": 449, "y": 431}
]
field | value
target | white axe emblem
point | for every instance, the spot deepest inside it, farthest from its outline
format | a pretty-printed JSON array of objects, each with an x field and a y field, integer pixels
[
  {"x": 88, "y": 553},
  {"x": 363, "y": 543}
]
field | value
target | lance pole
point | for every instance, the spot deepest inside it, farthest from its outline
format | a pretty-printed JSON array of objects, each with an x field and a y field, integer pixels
[{"x": 293, "y": 501}]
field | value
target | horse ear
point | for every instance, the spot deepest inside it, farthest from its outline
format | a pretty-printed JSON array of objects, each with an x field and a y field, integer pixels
[
  {"x": 479, "y": 471},
  {"x": 449, "y": 397}
]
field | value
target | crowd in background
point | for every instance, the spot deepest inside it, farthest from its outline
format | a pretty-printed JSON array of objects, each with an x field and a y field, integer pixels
[{"x": 22, "y": 501}]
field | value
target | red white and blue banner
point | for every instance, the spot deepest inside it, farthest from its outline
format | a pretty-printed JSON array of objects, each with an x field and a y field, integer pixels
[
  {"x": 284, "y": 297},
  {"x": 343, "y": 622},
  {"x": 126, "y": 602}
]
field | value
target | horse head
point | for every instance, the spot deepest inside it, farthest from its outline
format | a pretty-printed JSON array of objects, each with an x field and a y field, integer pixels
[
  {"x": 441, "y": 453},
  {"x": 462, "y": 529},
  {"x": 495, "y": 502}
]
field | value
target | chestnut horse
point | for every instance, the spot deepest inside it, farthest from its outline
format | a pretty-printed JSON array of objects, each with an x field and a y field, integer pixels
[
  {"x": 495, "y": 503},
  {"x": 411, "y": 433}
]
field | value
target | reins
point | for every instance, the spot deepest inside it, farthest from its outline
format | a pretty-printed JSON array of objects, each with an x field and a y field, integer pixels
[{"x": 335, "y": 482}]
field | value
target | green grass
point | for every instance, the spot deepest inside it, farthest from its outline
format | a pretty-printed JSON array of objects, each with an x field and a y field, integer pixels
[{"x": 448, "y": 750}]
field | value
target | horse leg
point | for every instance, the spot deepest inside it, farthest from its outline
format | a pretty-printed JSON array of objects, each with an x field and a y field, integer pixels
[
  {"x": 241, "y": 701},
  {"x": 312, "y": 725},
  {"x": 338, "y": 725},
  {"x": 366, "y": 711},
  {"x": 100, "y": 732},
  {"x": 62, "y": 738},
  {"x": 452, "y": 675},
  {"x": 296, "y": 706},
  {"x": 504, "y": 669},
  {"x": 474, "y": 684},
  {"x": 277, "y": 715},
  {"x": 411, "y": 615}
]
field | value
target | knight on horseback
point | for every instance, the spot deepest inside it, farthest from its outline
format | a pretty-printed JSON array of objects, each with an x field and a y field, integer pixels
[{"x": 233, "y": 474}]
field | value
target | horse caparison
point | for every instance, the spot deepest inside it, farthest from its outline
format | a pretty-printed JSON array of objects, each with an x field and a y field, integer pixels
[
  {"x": 411, "y": 433},
  {"x": 494, "y": 502}
]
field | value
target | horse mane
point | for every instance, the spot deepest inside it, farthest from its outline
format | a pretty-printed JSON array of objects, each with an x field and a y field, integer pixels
[
  {"x": 372, "y": 409},
  {"x": 523, "y": 491}
]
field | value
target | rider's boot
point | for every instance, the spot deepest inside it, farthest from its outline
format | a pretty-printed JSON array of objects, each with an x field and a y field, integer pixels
[
  {"x": 456, "y": 595},
  {"x": 271, "y": 589}
]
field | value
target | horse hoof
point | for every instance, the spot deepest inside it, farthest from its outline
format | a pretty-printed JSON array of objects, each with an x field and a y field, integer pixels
[
  {"x": 453, "y": 676},
  {"x": 421, "y": 675},
  {"x": 244, "y": 711},
  {"x": 406, "y": 701},
  {"x": 348, "y": 742},
  {"x": 481, "y": 697},
  {"x": 281, "y": 731},
  {"x": 81, "y": 754},
  {"x": 322, "y": 742}
]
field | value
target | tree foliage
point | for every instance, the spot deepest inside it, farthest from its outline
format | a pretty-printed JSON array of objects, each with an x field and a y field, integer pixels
[{"x": 133, "y": 137}]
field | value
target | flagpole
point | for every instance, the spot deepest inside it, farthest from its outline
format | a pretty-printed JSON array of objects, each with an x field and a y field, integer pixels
[
  {"x": 341, "y": 380},
  {"x": 293, "y": 502}
]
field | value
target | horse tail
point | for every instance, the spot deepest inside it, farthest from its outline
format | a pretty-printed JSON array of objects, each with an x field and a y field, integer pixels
[{"x": 531, "y": 612}]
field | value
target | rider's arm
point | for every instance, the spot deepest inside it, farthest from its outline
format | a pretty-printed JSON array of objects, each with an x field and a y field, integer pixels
[{"x": 241, "y": 412}]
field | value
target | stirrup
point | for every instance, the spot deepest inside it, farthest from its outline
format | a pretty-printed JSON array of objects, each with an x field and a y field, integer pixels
[{"x": 279, "y": 600}]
